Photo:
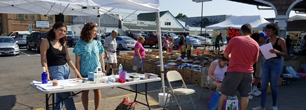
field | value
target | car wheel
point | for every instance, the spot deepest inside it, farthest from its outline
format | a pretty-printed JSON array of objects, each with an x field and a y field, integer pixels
[
  {"x": 70, "y": 45},
  {"x": 156, "y": 45},
  {"x": 37, "y": 49},
  {"x": 29, "y": 48},
  {"x": 120, "y": 47}
]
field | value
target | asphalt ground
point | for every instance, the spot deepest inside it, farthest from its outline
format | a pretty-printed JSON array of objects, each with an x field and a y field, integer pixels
[{"x": 16, "y": 73}]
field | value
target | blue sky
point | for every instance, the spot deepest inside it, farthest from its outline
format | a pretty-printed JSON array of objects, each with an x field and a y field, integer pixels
[{"x": 215, "y": 7}]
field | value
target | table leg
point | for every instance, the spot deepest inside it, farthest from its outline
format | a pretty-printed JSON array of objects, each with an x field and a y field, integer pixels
[
  {"x": 146, "y": 93},
  {"x": 136, "y": 93},
  {"x": 47, "y": 102},
  {"x": 53, "y": 102}
]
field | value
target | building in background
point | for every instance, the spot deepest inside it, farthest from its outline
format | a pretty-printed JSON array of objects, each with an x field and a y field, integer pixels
[
  {"x": 21, "y": 22},
  {"x": 146, "y": 23}
]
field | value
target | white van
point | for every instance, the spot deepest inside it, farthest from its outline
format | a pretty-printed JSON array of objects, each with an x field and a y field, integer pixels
[{"x": 14, "y": 33}]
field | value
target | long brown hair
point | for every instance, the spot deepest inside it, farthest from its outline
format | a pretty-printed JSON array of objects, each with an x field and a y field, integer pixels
[
  {"x": 51, "y": 34},
  {"x": 85, "y": 35}
]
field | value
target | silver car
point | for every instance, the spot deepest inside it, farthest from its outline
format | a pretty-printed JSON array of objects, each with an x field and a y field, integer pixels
[
  {"x": 125, "y": 42},
  {"x": 8, "y": 46},
  {"x": 189, "y": 40},
  {"x": 203, "y": 40},
  {"x": 22, "y": 39}
]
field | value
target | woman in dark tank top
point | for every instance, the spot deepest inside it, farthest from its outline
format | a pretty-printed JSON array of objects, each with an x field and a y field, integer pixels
[
  {"x": 272, "y": 68},
  {"x": 55, "y": 58}
]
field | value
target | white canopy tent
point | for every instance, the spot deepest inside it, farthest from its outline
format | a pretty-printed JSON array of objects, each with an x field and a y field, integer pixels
[
  {"x": 50, "y": 7},
  {"x": 297, "y": 17},
  {"x": 75, "y": 7},
  {"x": 257, "y": 22}
]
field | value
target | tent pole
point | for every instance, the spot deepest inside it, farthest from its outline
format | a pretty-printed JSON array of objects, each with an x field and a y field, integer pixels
[{"x": 160, "y": 52}]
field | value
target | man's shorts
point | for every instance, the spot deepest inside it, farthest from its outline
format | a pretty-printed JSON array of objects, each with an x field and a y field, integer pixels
[
  {"x": 237, "y": 81},
  {"x": 258, "y": 69},
  {"x": 112, "y": 58}
]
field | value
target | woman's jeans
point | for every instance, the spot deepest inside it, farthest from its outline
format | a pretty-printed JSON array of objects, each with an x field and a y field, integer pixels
[
  {"x": 62, "y": 72},
  {"x": 271, "y": 71}
]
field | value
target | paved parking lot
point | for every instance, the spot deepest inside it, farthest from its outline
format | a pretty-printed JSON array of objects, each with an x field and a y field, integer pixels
[{"x": 16, "y": 72}]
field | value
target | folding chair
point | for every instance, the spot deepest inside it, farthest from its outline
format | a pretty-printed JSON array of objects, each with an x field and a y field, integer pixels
[
  {"x": 211, "y": 87},
  {"x": 176, "y": 76}
]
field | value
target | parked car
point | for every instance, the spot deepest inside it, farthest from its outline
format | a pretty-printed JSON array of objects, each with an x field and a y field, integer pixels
[
  {"x": 125, "y": 42},
  {"x": 189, "y": 40},
  {"x": 171, "y": 35},
  {"x": 151, "y": 39},
  {"x": 134, "y": 36},
  {"x": 34, "y": 40},
  {"x": 15, "y": 33},
  {"x": 22, "y": 39},
  {"x": 203, "y": 40},
  {"x": 8, "y": 46},
  {"x": 205, "y": 35},
  {"x": 72, "y": 40}
]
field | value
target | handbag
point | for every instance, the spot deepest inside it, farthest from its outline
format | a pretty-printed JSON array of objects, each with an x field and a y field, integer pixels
[
  {"x": 231, "y": 103},
  {"x": 126, "y": 105},
  {"x": 213, "y": 101}
]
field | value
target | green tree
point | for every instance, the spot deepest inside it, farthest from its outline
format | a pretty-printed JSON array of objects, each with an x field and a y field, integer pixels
[{"x": 181, "y": 15}]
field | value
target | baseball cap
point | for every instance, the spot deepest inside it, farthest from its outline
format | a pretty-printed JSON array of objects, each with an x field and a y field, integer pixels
[{"x": 263, "y": 34}]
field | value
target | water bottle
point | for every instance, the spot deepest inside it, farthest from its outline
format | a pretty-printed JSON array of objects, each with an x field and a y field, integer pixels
[
  {"x": 44, "y": 76},
  {"x": 120, "y": 68}
]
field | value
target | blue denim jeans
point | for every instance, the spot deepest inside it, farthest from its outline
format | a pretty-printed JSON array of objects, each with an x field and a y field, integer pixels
[
  {"x": 62, "y": 72},
  {"x": 271, "y": 71}
]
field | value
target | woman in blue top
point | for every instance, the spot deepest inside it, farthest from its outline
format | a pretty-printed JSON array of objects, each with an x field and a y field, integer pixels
[{"x": 89, "y": 55}]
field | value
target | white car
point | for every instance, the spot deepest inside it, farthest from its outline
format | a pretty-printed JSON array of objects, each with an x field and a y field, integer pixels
[
  {"x": 203, "y": 40},
  {"x": 125, "y": 42},
  {"x": 8, "y": 46}
]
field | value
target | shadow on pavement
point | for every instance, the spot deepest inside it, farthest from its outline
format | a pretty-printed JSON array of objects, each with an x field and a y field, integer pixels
[{"x": 7, "y": 102}]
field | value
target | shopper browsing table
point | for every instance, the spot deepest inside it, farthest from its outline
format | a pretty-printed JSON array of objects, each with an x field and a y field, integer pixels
[
  {"x": 242, "y": 51},
  {"x": 88, "y": 56},
  {"x": 272, "y": 68},
  {"x": 216, "y": 72},
  {"x": 139, "y": 54},
  {"x": 110, "y": 45},
  {"x": 261, "y": 39},
  {"x": 54, "y": 57}
]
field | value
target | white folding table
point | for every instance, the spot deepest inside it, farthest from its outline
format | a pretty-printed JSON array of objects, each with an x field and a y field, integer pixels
[{"x": 88, "y": 86}]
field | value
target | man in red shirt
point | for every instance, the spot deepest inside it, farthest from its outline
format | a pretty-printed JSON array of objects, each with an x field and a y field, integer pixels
[{"x": 242, "y": 51}]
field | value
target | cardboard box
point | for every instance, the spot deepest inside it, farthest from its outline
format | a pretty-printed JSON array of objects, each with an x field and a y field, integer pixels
[
  {"x": 280, "y": 82},
  {"x": 149, "y": 68},
  {"x": 187, "y": 74},
  {"x": 196, "y": 77},
  {"x": 187, "y": 80}
]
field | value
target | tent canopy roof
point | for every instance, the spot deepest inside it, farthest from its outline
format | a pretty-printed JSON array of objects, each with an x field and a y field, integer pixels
[{"x": 256, "y": 21}]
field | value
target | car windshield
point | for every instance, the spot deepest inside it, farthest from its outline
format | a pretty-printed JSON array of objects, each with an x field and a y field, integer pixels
[
  {"x": 127, "y": 38},
  {"x": 173, "y": 35},
  {"x": 43, "y": 35},
  {"x": 6, "y": 40},
  {"x": 76, "y": 37},
  {"x": 24, "y": 36},
  {"x": 69, "y": 33},
  {"x": 136, "y": 35}
]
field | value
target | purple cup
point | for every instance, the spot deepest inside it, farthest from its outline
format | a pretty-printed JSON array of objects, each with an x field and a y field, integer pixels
[{"x": 122, "y": 75}]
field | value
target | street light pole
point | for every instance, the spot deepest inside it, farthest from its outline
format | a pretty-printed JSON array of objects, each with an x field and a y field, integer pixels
[{"x": 201, "y": 17}]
